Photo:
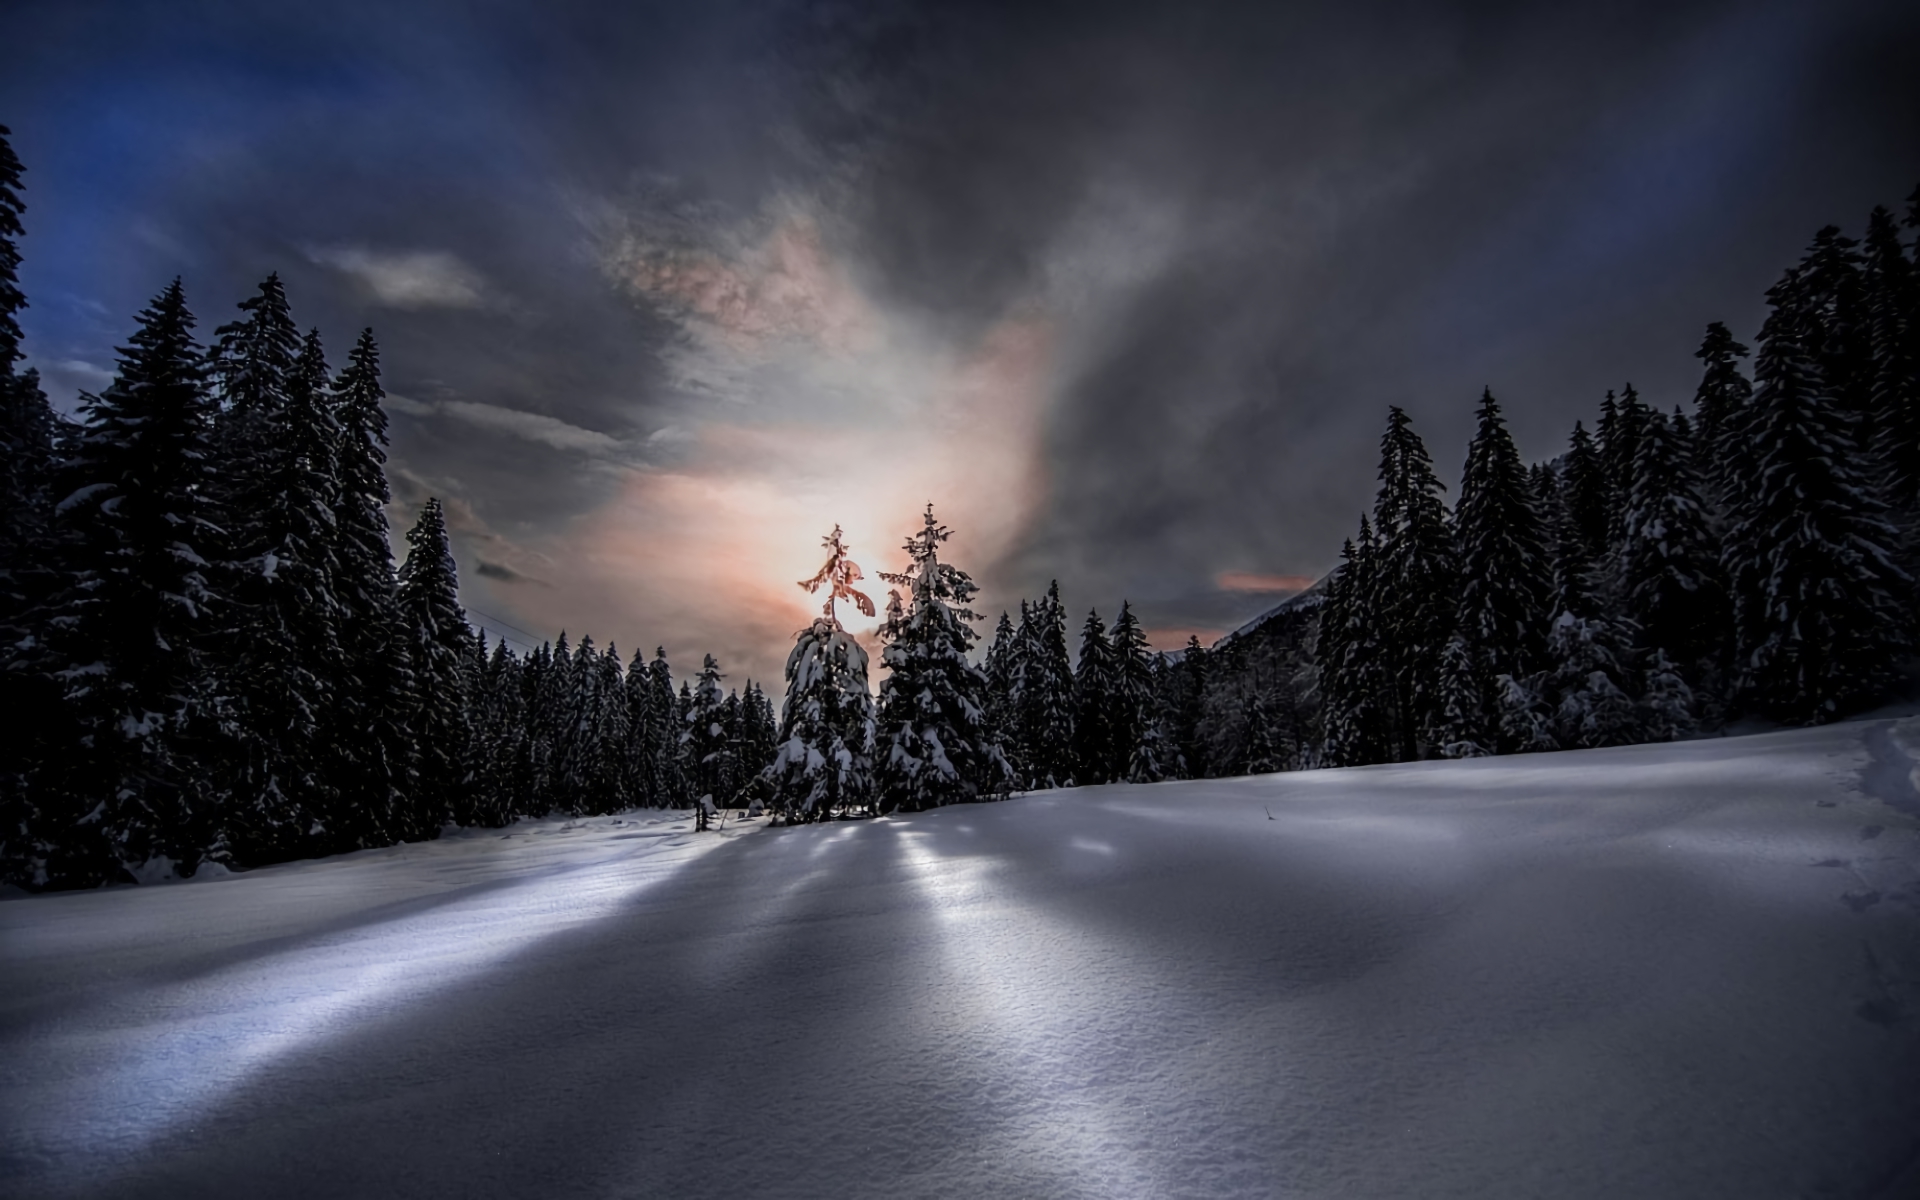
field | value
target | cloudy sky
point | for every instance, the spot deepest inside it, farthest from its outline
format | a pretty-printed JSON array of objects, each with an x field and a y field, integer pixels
[{"x": 665, "y": 291}]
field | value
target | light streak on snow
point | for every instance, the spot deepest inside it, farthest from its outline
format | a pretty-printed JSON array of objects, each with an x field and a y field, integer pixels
[
  {"x": 1008, "y": 963},
  {"x": 202, "y": 1039}
]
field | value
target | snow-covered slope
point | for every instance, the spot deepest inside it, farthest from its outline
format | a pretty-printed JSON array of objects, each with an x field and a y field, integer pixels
[{"x": 1687, "y": 970}]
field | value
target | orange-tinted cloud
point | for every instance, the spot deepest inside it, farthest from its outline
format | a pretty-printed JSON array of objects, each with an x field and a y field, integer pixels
[{"x": 1249, "y": 581}]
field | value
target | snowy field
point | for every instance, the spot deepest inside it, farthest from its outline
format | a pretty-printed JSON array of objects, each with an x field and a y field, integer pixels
[{"x": 1679, "y": 971}]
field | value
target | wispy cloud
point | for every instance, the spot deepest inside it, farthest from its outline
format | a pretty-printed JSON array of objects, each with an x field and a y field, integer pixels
[
  {"x": 514, "y": 422},
  {"x": 409, "y": 278},
  {"x": 506, "y": 574}
]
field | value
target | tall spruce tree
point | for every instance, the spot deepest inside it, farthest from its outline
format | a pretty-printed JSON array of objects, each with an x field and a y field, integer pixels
[
  {"x": 824, "y": 764},
  {"x": 1414, "y": 578},
  {"x": 1720, "y": 405},
  {"x": 284, "y": 646},
  {"x": 1890, "y": 315},
  {"x": 1094, "y": 685},
  {"x": 1502, "y": 595},
  {"x": 936, "y": 743},
  {"x": 28, "y": 427},
  {"x": 1189, "y": 708},
  {"x": 1046, "y": 695},
  {"x": 669, "y": 782},
  {"x": 705, "y": 745},
  {"x": 1821, "y": 611},
  {"x": 375, "y": 757},
  {"x": 130, "y": 629},
  {"x": 1352, "y": 682},
  {"x": 429, "y": 600},
  {"x": 1136, "y": 699},
  {"x": 1671, "y": 586}
]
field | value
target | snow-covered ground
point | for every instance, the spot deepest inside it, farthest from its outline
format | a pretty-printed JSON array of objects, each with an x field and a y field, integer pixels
[{"x": 1686, "y": 971}]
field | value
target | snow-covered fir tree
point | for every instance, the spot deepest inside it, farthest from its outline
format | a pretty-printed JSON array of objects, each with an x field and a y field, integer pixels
[
  {"x": 374, "y": 751},
  {"x": 130, "y": 630},
  {"x": 1095, "y": 746},
  {"x": 1525, "y": 726},
  {"x": 936, "y": 744},
  {"x": 1352, "y": 680},
  {"x": 823, "y": 766},
  {"x": 1260, "y": 751},
  {"x": 1670, "y": 584},
  {"x": 1822, "y": 613},
  {"x": 1503, "y": 566},
  {"x": 283, "y": 650},
  {"x": 1136, "y": 699},
  {"x": 429, "y": 600},
  {"x": 1413, "y": 579},
  {"x": 1465, "y": 730},
  {"x": 668, "y": 782},
  {"x": 1667, "y": 704},
  {"x": 706, "y": 747},
  {"x": 28, "y": 432},
  {"x": 1719, "y": 405},
  {"x": 1045, "y": 694},
  {"x": 1587, "y": 686},
  {"x": 1890, "y": 317}
]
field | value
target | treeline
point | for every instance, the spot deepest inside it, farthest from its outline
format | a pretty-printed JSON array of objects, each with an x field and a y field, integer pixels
[
  {"x": 1668, "y": 571},
  {"x": 207, "y": 655}
]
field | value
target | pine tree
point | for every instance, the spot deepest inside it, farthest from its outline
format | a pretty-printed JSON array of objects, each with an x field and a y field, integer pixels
[
  {"x": 1576, "y": 555},
  {"x": 36, "y": 730},
  {"x": 1352, "y": 682},
  {"x": 1830, "y": 301},
  {"x": 1136, "y": 702},
  {"x": 252, "y": 366},
  {"x": 130, "y": 629},
  {"x": 1260, "y": 750},
  {"x": 1464, "y": 729},
  {"x": 1502, "y": 598},
  {"x": 1890, "y": 315},
  {"x": 1588, "y": 686},
  {"x": 1046, "y": 695},
  {"x": 1720, "y": 405},
  {"x": 1821, "y": 611},
  {"x": 1156, "y": 752},
  {"x": 669, "y": 783},
  {"x": 283, "y": 648},
  {"x": 499, "y": 742},
  {"x": 1666, "y": 702},
  {"x": 1094, "y": 684},
  {"x": 824, "y": 764},
  {"x": 1189, "y": 709},
  {"x": 1003, "y": 672},
  {"x": 1670, "y": 583},
  {"x": 760, "y": 734},
  {"x": 375, "y": 696},
  {"x": 1619, "y": 448},
  {"x": 27, "y": 425},
  {"x": 936, "y": 743},
  {"x": 429, "y": 603},
  {"x": 1525, "y": 727},
  {"x": 1414, "y": 578},
  {"x": 704, "y": 743}
]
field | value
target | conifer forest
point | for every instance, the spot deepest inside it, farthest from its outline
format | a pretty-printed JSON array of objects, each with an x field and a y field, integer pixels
[{"x": 210, "y": 656}]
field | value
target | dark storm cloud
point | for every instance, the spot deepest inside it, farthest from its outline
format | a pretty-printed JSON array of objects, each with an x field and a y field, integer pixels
[
  {"x": 1247, "y": 229},
  {"x": 1378, "y": 205}
]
